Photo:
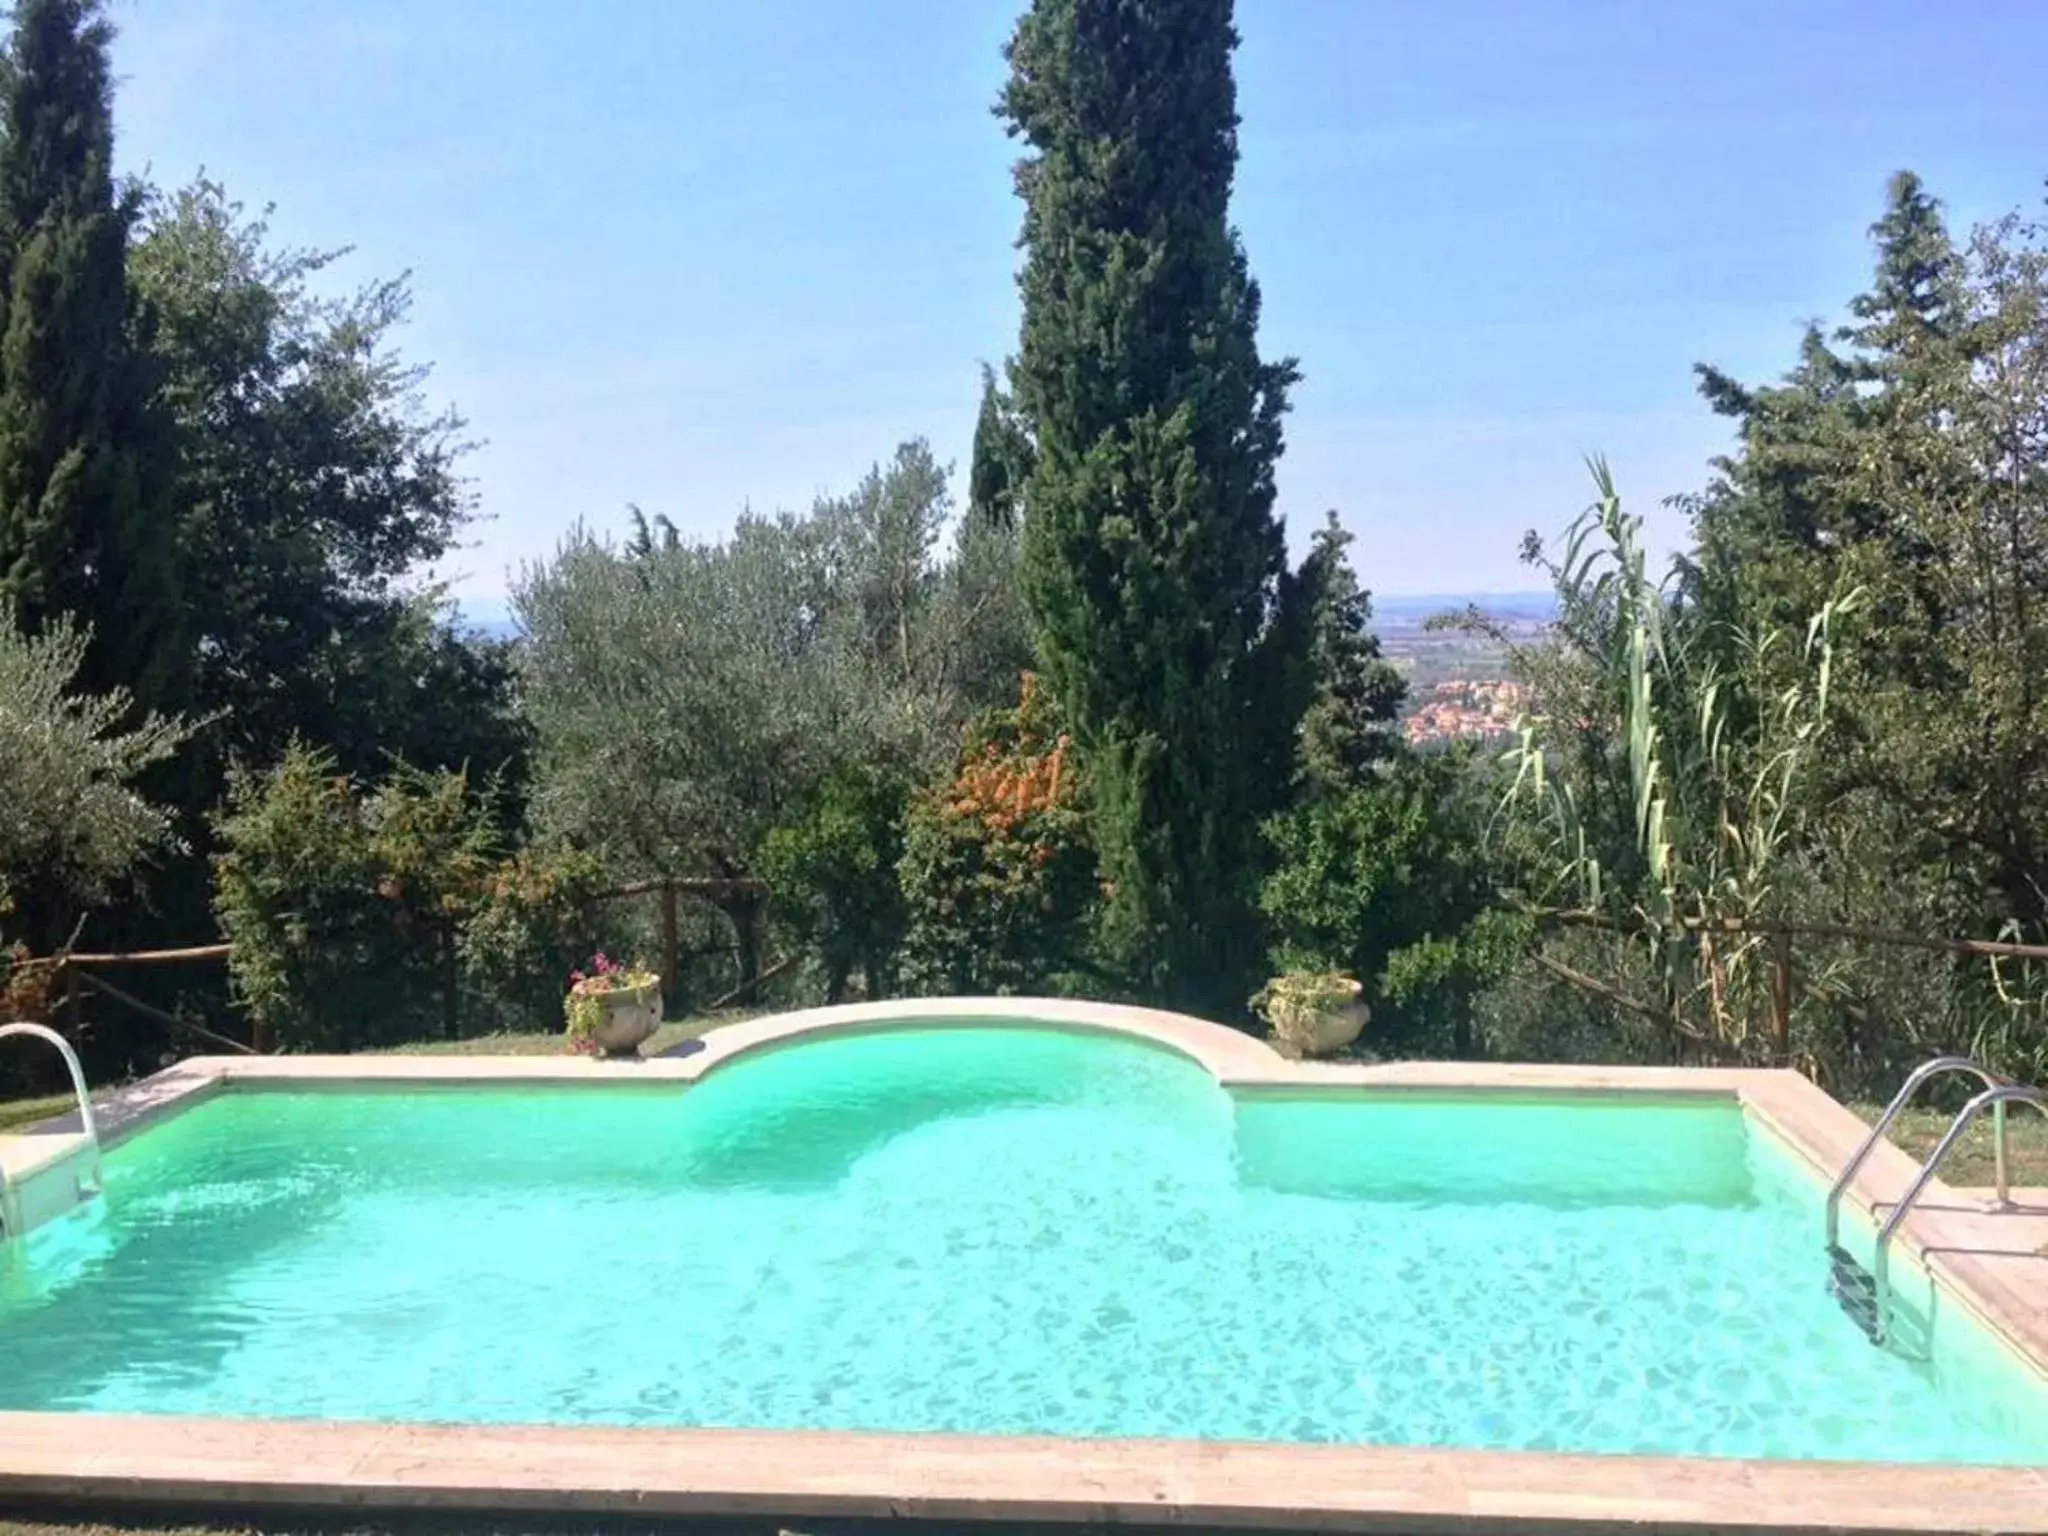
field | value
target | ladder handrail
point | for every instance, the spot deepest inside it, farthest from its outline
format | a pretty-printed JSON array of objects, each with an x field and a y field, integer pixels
[
  {"x": 1997, "y": 1096},
  {"x": 44, "y": 1032},
  {"x": 1920, "y": 1074}
]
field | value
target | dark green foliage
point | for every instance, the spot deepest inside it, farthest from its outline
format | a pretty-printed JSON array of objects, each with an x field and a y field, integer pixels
[
  {"x": 1835, "y": 713},
  {"x": 312, "y": 480},
  {"x": 833, "y": 871},
  {"x": 1355, "y": 693},
  {"x": 318, "y": 962},
  {"x": 1388, "y": 880},
  {"x": 347, "y": 907},
  {"x": 86, "y": 524},
  {"x": 541, "y": 916},
  {"x": 1002, "y": 457},
  {"x": 1906, "y": 456},
  {"x": 998, "y": 871},
  {"x": 1152, "y": 557}
]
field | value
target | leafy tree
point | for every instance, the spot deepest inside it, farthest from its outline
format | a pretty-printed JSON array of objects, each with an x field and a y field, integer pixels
[
  {"x": 1355, "y": 693},
  {"x": 347, "y": 906},
  {"x": 1905, "y": 456},
  {"x": 998, "y": 871},
  {"x": 1152, "y": 557},
  {"x": 833, "y": 870},
  {"x": 86, "y": 527},
  {"x": 73, "y": 824},
  {"x": 1387, "y": 878},
  {"x": 941, "y": 638},
  {"x": 689, "y": 698},
  {"x": 313, "y": 479},
  {"x": 542, "y": 915}
]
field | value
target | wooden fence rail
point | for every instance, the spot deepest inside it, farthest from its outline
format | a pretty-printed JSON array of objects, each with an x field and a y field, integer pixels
[
  {"x": 69, "y": 975},
  {"x": 744, "y": 899},
  {"x": 1784, "y": 982}
]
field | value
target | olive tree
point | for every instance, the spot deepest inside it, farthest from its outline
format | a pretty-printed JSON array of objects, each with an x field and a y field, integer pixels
[
  {"x": 689, "y": 697},
  {"x": 73, "y": 823}
]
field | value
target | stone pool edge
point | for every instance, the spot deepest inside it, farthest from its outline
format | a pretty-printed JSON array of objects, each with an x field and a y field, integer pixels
[
  {"x": 260, "y": 1463},
  {"x": 224, "y": 1464}
]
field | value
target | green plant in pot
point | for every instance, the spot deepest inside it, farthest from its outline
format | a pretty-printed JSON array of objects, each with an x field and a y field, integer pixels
[
  {"x": 1312, "y": 1013},
  {"x": 612, "y": 1008}
]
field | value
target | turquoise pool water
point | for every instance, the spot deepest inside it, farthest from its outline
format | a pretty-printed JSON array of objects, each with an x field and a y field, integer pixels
[{"x": 987, "y": 1230}]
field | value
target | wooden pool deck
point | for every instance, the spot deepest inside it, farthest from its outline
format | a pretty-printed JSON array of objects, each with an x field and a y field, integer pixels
[{"x": 1991, "y": 1264}]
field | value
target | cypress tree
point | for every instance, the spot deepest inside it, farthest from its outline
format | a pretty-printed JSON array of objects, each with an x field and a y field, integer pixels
[
  {"x": 1153, "y": 562},
  {"x": 1355, "y": 692},
  {"x": 86, "y": 524}
]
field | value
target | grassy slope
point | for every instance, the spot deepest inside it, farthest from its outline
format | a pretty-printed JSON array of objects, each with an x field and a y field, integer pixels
[{"x": 1917, "y": 1130}]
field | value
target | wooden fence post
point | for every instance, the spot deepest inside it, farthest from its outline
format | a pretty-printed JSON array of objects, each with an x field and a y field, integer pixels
[
  {"x": 669, "y": 944},
  {"x": 1781, "y": 997},
  {"x": 70, "y": 1010}
]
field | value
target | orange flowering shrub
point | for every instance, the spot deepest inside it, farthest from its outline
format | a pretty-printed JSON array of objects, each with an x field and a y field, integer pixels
[{"x": 998, "y": 871}]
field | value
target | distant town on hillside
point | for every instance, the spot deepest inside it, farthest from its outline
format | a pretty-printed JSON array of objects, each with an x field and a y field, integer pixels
[{"x": 1458, "y": 683}]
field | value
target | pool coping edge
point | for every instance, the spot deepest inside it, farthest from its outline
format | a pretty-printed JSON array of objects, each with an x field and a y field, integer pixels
[
  {"x": 254, "y": 1463},
  {"x": 231, "y": 1464}
]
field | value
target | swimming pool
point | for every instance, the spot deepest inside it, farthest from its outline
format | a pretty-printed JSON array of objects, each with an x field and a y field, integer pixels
[{"x": 995, "y": 1230}]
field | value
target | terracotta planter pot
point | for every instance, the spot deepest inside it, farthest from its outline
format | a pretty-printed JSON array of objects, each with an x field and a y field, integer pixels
[
  {"x": 631, "y": 1014},
  {"x": 1302, "y": 1028}
]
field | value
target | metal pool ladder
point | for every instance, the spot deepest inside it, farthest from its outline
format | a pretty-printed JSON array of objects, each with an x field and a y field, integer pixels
[
  {"x": 1866, "y": 1294},
  {"x": 18, "y": 1214}
]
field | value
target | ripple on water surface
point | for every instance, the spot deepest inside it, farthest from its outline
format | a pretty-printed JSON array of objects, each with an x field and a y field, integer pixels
[{"x": 986, "y": 1230}]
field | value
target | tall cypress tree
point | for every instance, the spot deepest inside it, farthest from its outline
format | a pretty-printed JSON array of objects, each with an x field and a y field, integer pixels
[
  {"x": 1153, "y": 561},
  {"x": 86, "y": 524},
  {"x": 1355, "y": 692}
]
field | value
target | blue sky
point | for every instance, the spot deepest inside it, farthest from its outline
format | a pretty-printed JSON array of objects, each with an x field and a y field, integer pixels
[{"x": 696, "y": 255}]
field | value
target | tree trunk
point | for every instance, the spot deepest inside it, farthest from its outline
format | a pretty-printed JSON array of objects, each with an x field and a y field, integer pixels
[
  {"x": 744, "y": 912},
  {"x": 669, "y": 945},
  {"x": 451, "y": 994}
]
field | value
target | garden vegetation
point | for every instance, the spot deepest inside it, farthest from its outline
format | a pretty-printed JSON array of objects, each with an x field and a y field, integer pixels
[{"x": 1078, "y": 726}]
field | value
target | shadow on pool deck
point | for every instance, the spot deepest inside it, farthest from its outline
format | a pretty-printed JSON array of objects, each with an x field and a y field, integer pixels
[{"x": 61, "y": 1520}]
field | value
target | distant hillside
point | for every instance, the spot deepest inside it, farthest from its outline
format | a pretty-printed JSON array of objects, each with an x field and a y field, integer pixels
[
  {"x": 1399, "y": 607},
  {"x": 1429, "y": 658},
  {"x": 489, "y": 622}
]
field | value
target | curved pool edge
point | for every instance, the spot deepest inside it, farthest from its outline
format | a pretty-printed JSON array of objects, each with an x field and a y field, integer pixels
[{"x": 1226, "y": 1054}]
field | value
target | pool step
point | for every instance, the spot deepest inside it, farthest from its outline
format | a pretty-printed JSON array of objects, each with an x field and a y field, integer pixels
[
  {"x": 1901, "y": 1328},
  {"x": 44, "y": 1177},
  {"x": 1856, "y": 1289}
]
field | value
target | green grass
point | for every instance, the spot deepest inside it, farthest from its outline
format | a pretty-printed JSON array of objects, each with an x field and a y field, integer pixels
[
  {"x": 15, "y": 1113},
  {"x": 1970, "y": 1164},
  {"x": 667, "y": 1037}
]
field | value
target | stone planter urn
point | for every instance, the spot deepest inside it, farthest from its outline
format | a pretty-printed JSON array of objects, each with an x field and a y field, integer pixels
[
  {"x": 611, "y": 1016},
  {"x": 1312, "y": 1013}
]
